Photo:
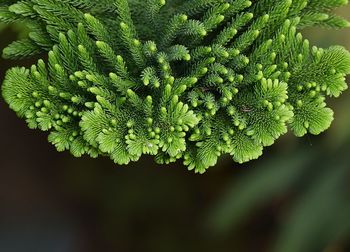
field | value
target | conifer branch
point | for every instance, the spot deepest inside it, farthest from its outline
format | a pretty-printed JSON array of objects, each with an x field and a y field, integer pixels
[{"x": 187, "y": 80}]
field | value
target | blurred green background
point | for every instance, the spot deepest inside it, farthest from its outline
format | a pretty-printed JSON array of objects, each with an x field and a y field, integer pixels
[{"x": 295, "y": 198}]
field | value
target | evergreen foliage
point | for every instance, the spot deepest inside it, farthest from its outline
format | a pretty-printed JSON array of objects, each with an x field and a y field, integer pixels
[{"x": 177, "y": 79}]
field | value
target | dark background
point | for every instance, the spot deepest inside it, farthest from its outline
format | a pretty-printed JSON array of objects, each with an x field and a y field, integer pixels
[{"x": 296, "y": 197}]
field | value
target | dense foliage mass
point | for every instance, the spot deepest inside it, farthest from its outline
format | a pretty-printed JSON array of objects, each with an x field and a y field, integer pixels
[{"x": 190, "y": 79}]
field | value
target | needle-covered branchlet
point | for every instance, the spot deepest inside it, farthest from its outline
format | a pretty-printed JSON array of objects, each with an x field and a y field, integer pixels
[{"x": 177, "y": 79}]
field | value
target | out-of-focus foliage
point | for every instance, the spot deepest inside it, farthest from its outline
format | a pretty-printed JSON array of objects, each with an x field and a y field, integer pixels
[
  {"x": 318, "y": 213},
  {"x": 20, "y": 29}
]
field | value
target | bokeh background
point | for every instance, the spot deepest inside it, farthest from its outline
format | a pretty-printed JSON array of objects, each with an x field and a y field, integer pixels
[{"x": 295, "y": 198}]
